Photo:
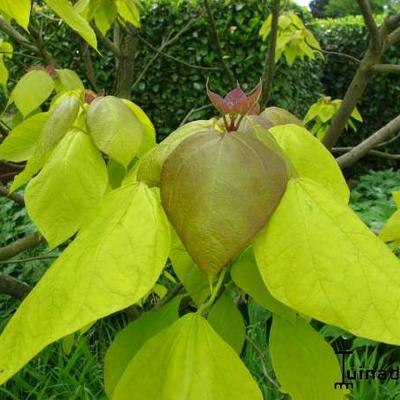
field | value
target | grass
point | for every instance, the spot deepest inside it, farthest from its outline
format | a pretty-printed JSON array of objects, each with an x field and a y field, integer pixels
[{"x": 69, "y": 370}]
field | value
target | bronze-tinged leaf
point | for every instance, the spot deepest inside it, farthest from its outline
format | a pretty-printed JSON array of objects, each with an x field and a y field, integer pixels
[{"x": 218, "y": 190}]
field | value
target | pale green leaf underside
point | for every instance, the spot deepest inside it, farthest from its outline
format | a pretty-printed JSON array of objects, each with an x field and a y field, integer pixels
[
  {"x": 311, "y": 159},
  {"x": 60, "y": 196},
  {"x": 187, "y": 361},
  {"x": 317, "y": 257},
  {"x": 20, "y": 143},
  {"x": 114, "y": 261},
  {"x": 227, "y": 321},
  {"x": 130, "y": 339},
  {"x": 115, "y": 129},
  {"x": 31, "y": 91},
  {"x": 304, "y": 363}
]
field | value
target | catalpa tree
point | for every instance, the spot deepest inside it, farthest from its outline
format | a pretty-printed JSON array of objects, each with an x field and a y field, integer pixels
[{"x": 223, "y": 210}]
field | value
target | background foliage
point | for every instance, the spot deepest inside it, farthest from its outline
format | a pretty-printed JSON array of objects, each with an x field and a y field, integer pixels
[{"x": 295, "y": 88}]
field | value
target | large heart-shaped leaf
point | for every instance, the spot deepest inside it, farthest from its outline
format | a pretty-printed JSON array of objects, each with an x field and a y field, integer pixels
[
  {"x": 114, "y": 261},
  {"x": 187, "y": 361},
  {"x": 316, "y": 256},
  {"x": 218, "y": 191}
]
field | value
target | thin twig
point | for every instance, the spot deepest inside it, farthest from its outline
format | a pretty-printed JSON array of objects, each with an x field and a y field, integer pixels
[
  {"x": 13, "y": 287},
  {"x": 14, "y": 34},
  {"x": 165, "y": 42},
  {"x": 20, "y": 245},
  {"x": 359, "y": 151},
  {"x": 217, "y": 44},
  {"x": 192, "y": 111},
  {"x": 386, "y": 68},
  {"x": 166, "y": 55},
  {"x": 29, "y": 259},
  {"x": 335, "y": 53},
  {"x": 106, "y": 42},
  {"x": 261, "y": 357},
  {"x": 370, "y": 22},
  {"x": 12, "y": 195},
  {"x": 269, "y": 63}
]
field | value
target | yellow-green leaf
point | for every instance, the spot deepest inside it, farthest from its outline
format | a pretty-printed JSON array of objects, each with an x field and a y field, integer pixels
[
  {"x": 151, "y": 164},
  {"x": 246, "y": 276},
  {"x": 61, "y": 119},
  {"x": 97, "y": 275},
  {"x": 187, "y": 361},
  {"x": 304, "y": 363},
  {"x": 31, "y": 168},
  {"x": 128, "y": 10},
  {"x": 65, "y": 10},
  {"x": 105, "y": 15},
  {"x": 130, "y": 339},
  {"x": 20, "y": 143},
  {"x": 69, "y": 79},
  {"x": 317, "y": 257},
  {"x": 280, "y": 116},
  {"x": 32, "y": 90},
  {"x": 311, "y": 159},
  {"x": 115, "y": 129},
  {"x": 149, "y": 132},
  {"x": 391, "y": 230},
  {"x": 59, "y": 197},
  {"x": 227, "y": 321},
  {"x": 20, "y": 10}
]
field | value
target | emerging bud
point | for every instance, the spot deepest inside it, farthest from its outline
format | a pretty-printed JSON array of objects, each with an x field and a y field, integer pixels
[{"x": 236, "y": 101}]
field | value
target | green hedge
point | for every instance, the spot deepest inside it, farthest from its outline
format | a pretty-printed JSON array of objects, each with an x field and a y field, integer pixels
[
  {"x": 169, "y": 90},
  {"x": 380, "y": 102}
]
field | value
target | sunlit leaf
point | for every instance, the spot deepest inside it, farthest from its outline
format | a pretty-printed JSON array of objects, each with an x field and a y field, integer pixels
[
  {"x": 98, "y": 274},
  {"x": 32, "y": 90},
  {"x": 20, "y": 10},
  {"x": 20, "y": 143},
  {"x": 187, "y": 361},
  {"x": 317, "y": 257},
  {"x": 60, "y": 196},
  {"x": 65, "y": 10},
  {"x": 311, "y": 159}
]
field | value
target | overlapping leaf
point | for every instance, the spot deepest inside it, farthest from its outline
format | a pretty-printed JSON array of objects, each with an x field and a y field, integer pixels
[
  {"x": 311, "y": 159},
  {"x": 215, "y": 204},
  {"x": 187, "y": 361},
  {"x": 130, "y": 339},
  {"x": 115, "y": 129},
  {"x": 96, "y": 275},
  {"x": 20, "y": 143},
  {"x": 317, "y": 257},
  {"x": 72, "y": 182},
  {"x": 304, "y": 363}
]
